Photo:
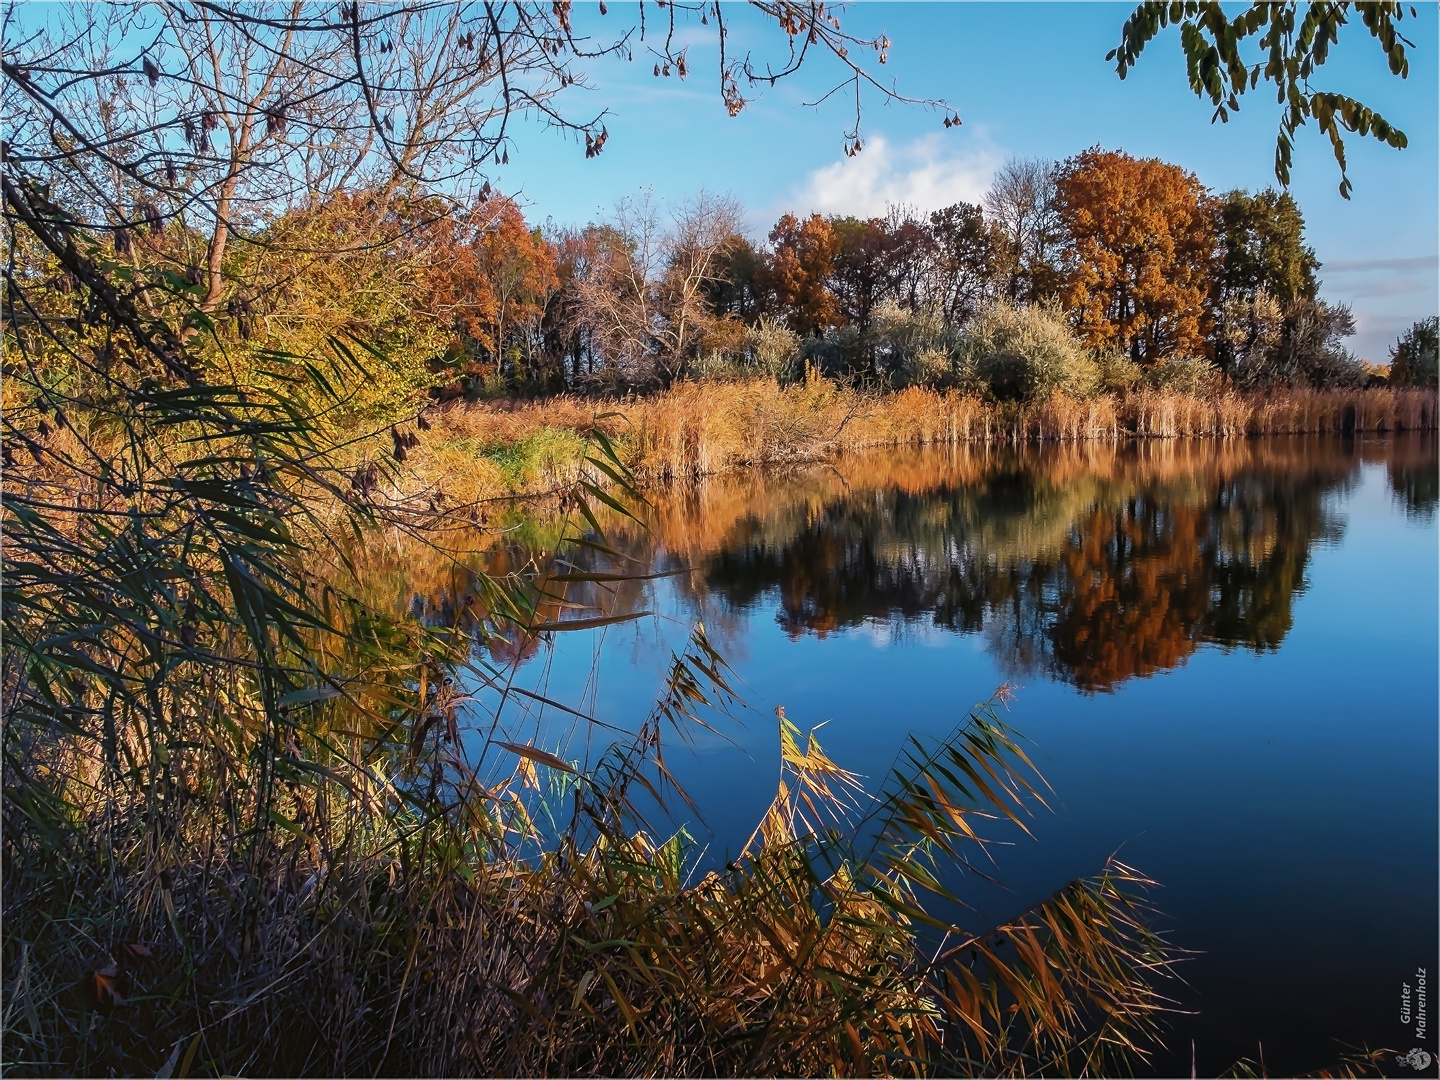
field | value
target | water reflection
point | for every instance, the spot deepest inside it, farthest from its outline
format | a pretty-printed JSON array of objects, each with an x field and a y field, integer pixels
[
  {"x": 1088, "y": 564},
  {"x": 1090, "y": 575},
  {"x": 1416, "y": 484}
]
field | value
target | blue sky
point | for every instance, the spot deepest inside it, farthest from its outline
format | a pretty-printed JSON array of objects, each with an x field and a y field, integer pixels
[{"x": 1030, "y": 80}]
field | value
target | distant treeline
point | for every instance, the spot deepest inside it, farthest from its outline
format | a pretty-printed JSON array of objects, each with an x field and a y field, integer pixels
[{"x": 1103, "y": 272}]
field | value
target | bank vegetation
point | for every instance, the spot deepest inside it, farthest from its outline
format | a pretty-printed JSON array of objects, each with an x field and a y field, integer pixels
[{"x": 261, "y": 315}]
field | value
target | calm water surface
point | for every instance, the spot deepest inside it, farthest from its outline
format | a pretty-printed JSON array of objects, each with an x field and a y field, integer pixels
[{"x": 1226, "y": 656}]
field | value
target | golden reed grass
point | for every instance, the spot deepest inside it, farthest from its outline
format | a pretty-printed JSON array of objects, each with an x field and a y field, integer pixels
[{"x": 700, "y": 429}]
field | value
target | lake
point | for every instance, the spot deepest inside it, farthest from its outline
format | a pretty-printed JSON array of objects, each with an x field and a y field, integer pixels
[{"x": 1225, "y": 656}]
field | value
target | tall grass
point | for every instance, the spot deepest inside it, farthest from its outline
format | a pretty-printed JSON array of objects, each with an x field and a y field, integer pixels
[
  {"x": 698, "y": 429},
  {"x": 258, "y": 821}
]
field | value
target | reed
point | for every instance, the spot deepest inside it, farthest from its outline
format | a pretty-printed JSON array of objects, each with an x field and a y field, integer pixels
[
  {"x": 258, "y": 820},
  {"x": 700, "y": 429},
  {"x": 382, "y": 931}
]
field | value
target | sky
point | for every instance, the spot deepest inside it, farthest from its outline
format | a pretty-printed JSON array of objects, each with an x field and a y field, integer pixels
[{"x": 1028, "y": 80}]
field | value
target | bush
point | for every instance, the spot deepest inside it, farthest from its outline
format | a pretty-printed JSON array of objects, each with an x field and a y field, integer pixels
[
  {"x": 1308, "y": 351},
  {"x": 1118, "y": 373},
  {"x": 916, "y": 347},
  {"x": 774, "y": 349},
  {"x": 1026, "y": 352},
  {"x": 1184, "y": 375},
  {"x": 837, "y": 353},
  {"x": 769, "y": 349}
]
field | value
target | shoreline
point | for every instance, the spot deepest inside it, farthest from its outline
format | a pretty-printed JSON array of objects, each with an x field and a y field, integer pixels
[{"x": 487, "y": 452}]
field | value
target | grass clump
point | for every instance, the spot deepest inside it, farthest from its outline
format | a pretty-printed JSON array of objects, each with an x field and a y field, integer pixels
[{"x": 547, "y": 453}]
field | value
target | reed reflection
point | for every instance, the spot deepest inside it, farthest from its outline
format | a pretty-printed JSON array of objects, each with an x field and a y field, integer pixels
[
  {"x": 1091, "y": 564},
  {"x": 1416, "y": 483}
]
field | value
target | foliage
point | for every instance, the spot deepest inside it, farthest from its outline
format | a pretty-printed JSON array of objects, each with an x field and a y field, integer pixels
[
  {"x": 1026, "y": 352},
  {"x": 349, "y": 265},
  {"x": 878, "y": 260},
  {"x": 769, "y": 349},
  {"x": 1413, "y": 359},
  {"x": 1118, "y": 373},
  {"x": 1295, "y": 43},
  {"x": 487, "y": 282},
  {"x": 799, "y": 273},
  {"x": 1307, "y": 349},
  {"x": 1140, "y": 236},
  {"x": 916, "y": 347},
  {"x": 1262, "y": 242},
  {"x": 1184, "y": 375},
  {"x": 1250, "y": 330},
  {"x": 969, "y": 253}
]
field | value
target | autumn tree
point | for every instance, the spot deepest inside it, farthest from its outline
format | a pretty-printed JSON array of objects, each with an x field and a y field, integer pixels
[
  {"x": 802, "y": 263},
  {"x": 1140, "y": 253},
  {"x": 911, "y": 253},
  {"x": 967, "y": 252},
  {"x": 614, "y": 297},
  {"x": 737, "y": 287},
  {"x": 703, "y": 232},
  {"x": 488, "y": 281},
  {"x": 565, "y": 326},
  {"x": 356, "y": 264},
  {"x": 864, "y": 269},
  {"x": 645, "y": 298}
]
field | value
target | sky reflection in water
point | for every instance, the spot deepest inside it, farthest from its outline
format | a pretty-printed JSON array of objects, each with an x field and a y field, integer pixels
[{"x": 1227, "y": 655}]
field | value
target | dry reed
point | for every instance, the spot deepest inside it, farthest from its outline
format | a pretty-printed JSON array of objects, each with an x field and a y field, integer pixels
[{"x": 701, "y": 429}]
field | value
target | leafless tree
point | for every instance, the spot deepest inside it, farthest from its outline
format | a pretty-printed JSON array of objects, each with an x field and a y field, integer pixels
[
  {"x": 1021, "y": 202},
  {"x": 644, "y": 297}
]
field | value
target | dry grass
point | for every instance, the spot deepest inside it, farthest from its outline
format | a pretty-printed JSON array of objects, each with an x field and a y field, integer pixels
[
  {"x": 379, "y": 935},
  {"x": 700, "y": 429}
]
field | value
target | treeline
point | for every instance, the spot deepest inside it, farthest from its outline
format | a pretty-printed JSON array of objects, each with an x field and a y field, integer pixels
[{"x": 1101, "y": 272}]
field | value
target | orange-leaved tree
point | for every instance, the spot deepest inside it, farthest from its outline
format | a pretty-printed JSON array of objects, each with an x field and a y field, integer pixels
[
  {"x": 1140, "y": 272},
  {"x": 802, "y": 263},
  {"x": 489, "y": 279}
]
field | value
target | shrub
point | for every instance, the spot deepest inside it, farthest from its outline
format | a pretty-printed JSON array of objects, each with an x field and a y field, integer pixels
[
  {"x": 916, "y": 347},
  {"x": 774, "y": 349},
  {"x": 1026, "y": 352},
  {"x": 769, "y": 349},
  {"x": 1118, "y": 373},
  {"x": 929, "y": 367},
  {"x": 1184, "y": 375},
  {"x": 1308, "y": 352},
  {"x": 720, "y": 367},
  {"x": 835, "y": 353}
]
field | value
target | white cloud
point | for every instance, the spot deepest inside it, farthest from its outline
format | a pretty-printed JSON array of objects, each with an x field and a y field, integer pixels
[{"x": 928, "y": 173}]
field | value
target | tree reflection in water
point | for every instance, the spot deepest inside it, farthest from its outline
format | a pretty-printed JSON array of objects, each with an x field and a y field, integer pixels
[
  {"x": 1089, "y": 563},
  {"x": 1416, "y": 483}
]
